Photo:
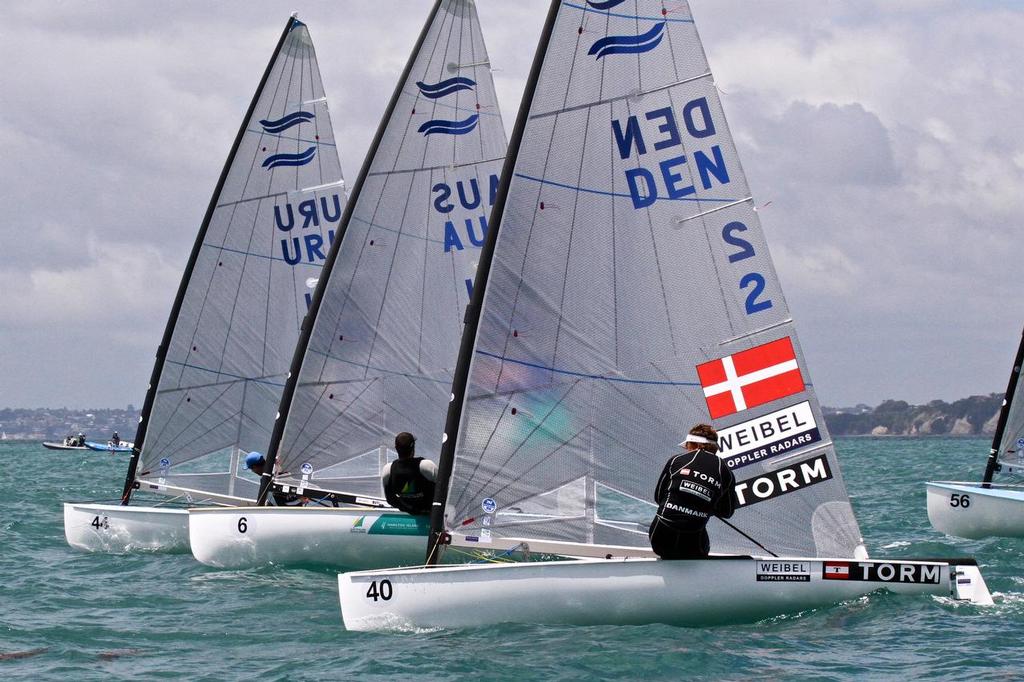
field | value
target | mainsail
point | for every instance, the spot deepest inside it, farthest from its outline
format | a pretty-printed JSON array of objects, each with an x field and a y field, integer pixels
[
  {"x": 378, "y": 356},
  {"x": 626, "y": 293},
  {"x": 1008, "y": 440},
  {"x": 221, "y": 367}
]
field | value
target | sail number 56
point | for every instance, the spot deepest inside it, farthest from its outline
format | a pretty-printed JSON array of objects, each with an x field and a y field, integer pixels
[
  {"x": 752, "y": 282},
  {"x": 959, "y": 500},
  {"x": 381, "y": 591}
]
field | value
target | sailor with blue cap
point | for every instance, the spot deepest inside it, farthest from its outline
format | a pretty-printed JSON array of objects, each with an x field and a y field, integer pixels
[{"x": 254, "y": 462}]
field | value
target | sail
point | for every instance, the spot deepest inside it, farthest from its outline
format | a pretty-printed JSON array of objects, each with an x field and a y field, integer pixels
[
  {"x": 258, "y": 255},
  {"x": 630, "y": 296},
  {"x": 381, "y": 350},
  {"x": 1008, "y": 440}
]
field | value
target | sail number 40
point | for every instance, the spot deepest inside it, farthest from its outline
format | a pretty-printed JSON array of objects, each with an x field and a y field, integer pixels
[
  {"x": 960, "y": 500},
  {"x": 381, "y": 591},
  {"x": 752, "y": 282}
]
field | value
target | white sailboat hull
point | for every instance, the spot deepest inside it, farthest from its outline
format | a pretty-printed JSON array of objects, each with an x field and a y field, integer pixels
[
  {"x": 968, "y": 510},
  {"x": 352, "y": 538},
  {"x": 119, "y": 529},
  {"x": 634, "y": 591}
]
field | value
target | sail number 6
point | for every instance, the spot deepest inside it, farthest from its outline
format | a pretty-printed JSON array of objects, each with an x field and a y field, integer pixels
[
  {"x": 963, "y": 501},
  {"x": 752, "y": 280},
  {"x": 383, "y": 591},
  {"x": 242, "y": 525}
]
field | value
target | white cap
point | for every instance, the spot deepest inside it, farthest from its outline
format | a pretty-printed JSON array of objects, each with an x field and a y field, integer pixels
[{"x": 699, "y": 440}]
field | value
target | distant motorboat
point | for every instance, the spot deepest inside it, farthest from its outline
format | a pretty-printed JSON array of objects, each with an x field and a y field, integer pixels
[
  {"x": 110, "y": 446},
  {"x": 69, "y": 443}
]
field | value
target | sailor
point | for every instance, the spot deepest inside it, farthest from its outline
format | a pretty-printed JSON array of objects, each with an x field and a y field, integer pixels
[
  {"x": 115, "y": 439},
  {"x": 409, "y": 482},
  {"x": 255, "y": 462},
  {"x": 693, "y": 487},
  {"x": 81, "y": 439}
]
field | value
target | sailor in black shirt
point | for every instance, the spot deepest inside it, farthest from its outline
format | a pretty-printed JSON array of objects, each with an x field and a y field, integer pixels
[
  {"x": 409, "y": 482},
  {"x": 693, "y": 487}
]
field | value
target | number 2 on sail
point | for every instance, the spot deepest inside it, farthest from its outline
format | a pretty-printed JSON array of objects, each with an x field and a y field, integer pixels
[{"x": 746, "y": 250}]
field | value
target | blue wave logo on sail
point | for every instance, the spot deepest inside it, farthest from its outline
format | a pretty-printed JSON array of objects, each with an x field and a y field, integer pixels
[
  {"x": 300, "y": 159},
  {"x": 607, "y": 4},
  {"x": 445, "y": 87},
  {"x": 449, "y": 127},
  {"x": 645, "y": 42},
  {"x": 286, "y": 122}
]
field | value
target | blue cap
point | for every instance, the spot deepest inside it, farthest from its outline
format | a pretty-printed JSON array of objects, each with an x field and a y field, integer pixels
[{"x": 252, "y": 459}]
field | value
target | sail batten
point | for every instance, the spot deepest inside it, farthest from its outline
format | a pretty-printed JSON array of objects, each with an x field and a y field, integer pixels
[{"x": 614, "y": 316}]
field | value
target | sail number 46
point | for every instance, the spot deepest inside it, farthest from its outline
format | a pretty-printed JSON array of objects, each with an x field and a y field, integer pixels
[
  {"x": 752, "y": 282},
  {"x": 98, "y": 523},
  {"x": 960, "y": 500},
  {"x": 381, "y": 591}
]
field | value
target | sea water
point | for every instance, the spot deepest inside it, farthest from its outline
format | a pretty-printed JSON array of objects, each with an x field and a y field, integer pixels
[{"x": 72, "y": 615}]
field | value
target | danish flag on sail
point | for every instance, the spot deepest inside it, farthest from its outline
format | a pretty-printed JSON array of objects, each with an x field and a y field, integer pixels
[{"x": 750, "y": 378}]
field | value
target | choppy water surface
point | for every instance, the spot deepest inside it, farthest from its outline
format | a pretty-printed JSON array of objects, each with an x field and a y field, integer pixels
[{"x": 64, "y": 613}]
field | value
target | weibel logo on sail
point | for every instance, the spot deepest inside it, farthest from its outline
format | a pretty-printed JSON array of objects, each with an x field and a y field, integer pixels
[{"x": 768, "y": 436}]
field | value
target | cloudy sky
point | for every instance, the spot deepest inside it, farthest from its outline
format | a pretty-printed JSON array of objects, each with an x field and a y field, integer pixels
[{"x": 883, "y": 141}]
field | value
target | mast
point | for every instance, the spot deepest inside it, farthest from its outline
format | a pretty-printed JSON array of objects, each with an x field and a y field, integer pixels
[
  {"x": 197, "y": 247},
  {"x": 993, "y": 456},
  {"x": 307, "y": 323},
  {"x": 472, "y": 319}
]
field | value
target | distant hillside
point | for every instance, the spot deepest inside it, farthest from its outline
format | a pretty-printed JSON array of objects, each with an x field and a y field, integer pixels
[{"x": 976, "y": 415}]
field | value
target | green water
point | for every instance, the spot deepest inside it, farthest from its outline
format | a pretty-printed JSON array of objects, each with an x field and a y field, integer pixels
[{"x": 145, "y": 616}]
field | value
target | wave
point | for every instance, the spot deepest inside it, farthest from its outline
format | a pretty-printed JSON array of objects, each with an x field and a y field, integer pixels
[
  {"x": 286, "y": 122},
  {"x": 645, "y": 42},
  {"x": 445, "y": 87},
  {"x": 300, "y": 159},
  {"x": 449, "y": 127}
]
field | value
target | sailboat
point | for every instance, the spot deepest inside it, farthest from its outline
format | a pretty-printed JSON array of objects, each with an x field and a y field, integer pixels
[
  {"x": 625, "y": 293},
  {"x": 378, "y": 353},
  {"x": 979, "y": 510},
  {"x": 222, "y": 363}
]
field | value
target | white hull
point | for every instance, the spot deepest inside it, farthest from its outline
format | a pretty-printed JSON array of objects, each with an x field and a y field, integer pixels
[
  {"x": 634, "y": 591},
  {"x": 968, "y": 510},
  {"x": 352, "y": 538},
  {"x": 119, "y": 529}
]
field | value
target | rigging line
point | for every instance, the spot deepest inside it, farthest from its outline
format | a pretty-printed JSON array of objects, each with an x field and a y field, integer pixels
[
  {"x": 258, "y": 255},
  {"x": 625, "y": 16},
  {"x": 180, "y": 403},
  {"x": 536, "y": 464},
  {"x": 443, "y": 166},
  {"x": 260, "y": 379},
  {"x": 747, "y": 536},
  {"x": 186, "y": 444},
  {"x": 501, "y": 467},
  {"x": 342, "y": 413},
  {"x": 319, "y": 143},
  {"x": 602, "y": 192},
  {"x": 375, "y": 368},
  {"x": 618, "y": 98},
  {"x": 584, "y": 375}
]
